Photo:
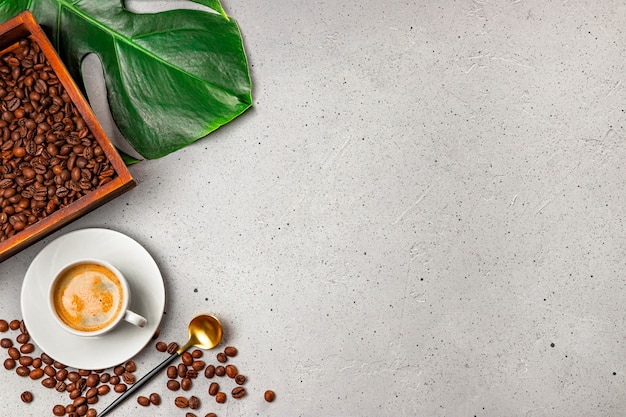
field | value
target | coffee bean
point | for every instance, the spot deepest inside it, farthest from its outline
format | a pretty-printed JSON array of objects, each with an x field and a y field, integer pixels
[
  {"x": 194, "y": 402},
  {"x": 14, "y": 324},
  {"x": 59, "y": 365},
  {"x": 22, "y": 371},
  {"x": 26, "y": 396},
  {"x": 269, "y": 395},
  {"x": 214, "y": 388},
  {"x": 230, "y": 351},
  {"x": 197, "y": 353},
  {"x": 172, "y": 372},
  {"x": 172, "y": 347},
  {"x": 6, "y": 343},
  {"x": 72, "y": 376},
  {"x": 231, "y": 371},
  {"x": 4, "y": 325},
  {"x": 104, "y": 377},
  {"x": 190, "y": 415},
  {"x": 119, "y": 388},
  {"x": 185, "y": 384},
  {"x": 161, "y": 346},
  {"x": 186, "y": 358},
  {"x": 27, "y": 348},
  {"x": 60, "y": 386},
  {"x": 23, "y": 329},
  {"x": 198, "y": 365},
  {"x": 221, "y": 357},
  {"x": 220, "y": 370},
  {"x": 238, "y": 392},
  {"x": 191, "y": 374},
  {"x": 211, "y": 415},
  {"x": 209, "y": 372},
  {"x": 36, "y": 363},
  {"x": 181, "y": 370},
  {"x": 84, "y": 372},
  {"x": 93, "y": 380},
  {"x": 58, "y": 410},
  {"x": 130, "y": 366},
  {"x": 9, "y": 363},
  {"x": 91, "y": 392},
  {"x": 49, "y": 382},
  {"x": 128, "y": 378},
  {"x": 220, "y": 397},
  {"x": 114, "y": 380},
  {"x": 155, "y": 398},
  {"x": 26, "y": 360},
  {"x": 74, "y": 393},
  {"x": 62, "y": 374},
  {"x": 173, "y": 385},
  {"x": 91, "y": 413},
  {"x": 240, "y": 379},
  {"x": 22, "y": 338},
  {"x": 81, "y": 410},
  {"x": 181, "y": 402},
  {"x": 143, "y": 401},
  {"x": 118, "y": 370},
  {"x": 103, "y": 389}
]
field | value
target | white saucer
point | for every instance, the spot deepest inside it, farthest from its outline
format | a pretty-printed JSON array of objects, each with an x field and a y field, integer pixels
[{"x": 123, "y": 342}]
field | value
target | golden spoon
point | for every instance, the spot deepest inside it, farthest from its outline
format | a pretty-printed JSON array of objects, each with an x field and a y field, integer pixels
[{"x": 205, "y": 332}]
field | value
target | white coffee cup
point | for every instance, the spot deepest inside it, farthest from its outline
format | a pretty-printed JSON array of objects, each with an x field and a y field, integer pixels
[{"x": 90, "y": 297}]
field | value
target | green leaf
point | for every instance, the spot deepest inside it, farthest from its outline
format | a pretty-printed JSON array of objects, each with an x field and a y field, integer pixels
[{"x": 172, "y": 77}]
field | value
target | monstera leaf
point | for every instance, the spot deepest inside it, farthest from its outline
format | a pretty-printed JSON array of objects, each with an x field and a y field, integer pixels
[{"x": 172, "y": 77}]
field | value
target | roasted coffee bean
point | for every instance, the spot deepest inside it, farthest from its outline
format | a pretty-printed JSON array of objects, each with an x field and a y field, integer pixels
[
  {"x": 93, "y": 400},
  {"x": 161, "y": 346},
  {"x": 221, "y": 357},
  {"x": 9, "y": 363},
  {"x": 194, "y": 402},
  {"x": 198, "y": 365},
  {"x": 22, "y": 371},
  {"x": 197, "y": 353},
  {"x": 209, "y": 372},
  {"x": 143, "y": 401},
  {"x": 182, "y": 370},
  {"x": 91, "y": 392},
  {"x": 22, "y": 338},
  {"x": 128, "y": 378},
  {"x": 211, "y": 415},
  {"x": 172, "y": 372},
  {"x": 238, "y": 392},
  {"x": 46, "y": 359},
  {"x": 93, "y": 380},
  {"x": 231, "y": 371},
  {"x": 78, "y": 401},
  {"x": 37, "y": 363},
  {"x": 186, "y": 358},
  {"x": 58, "y": 410},
  {"x": 75, "y": 393},
  {"x": 91, "y": 413},
  {"x": 230, "y": 351},
  {"x": 81, "y": 384},
  {"x": 185, "y": 384},
  {"x": 220, "y": 371},
  {"x": 214, "y": 388},
  {"x": 14, "y": 324},
  {"x": 155, "y": 398},
  {"x": 181, "y": 402},
  {"x": 118, "y": 370},
  {"x": 114, "y": 380},
  {"x": 172, "y": 347},
  {"x": 220, "y": 397},
  {"x": 173, "y": 385},
  {"x": 49, "y": 382},
  {"x": 130, "y": 366},
  {"x": 104, "y": 378},
  {"x": 119, "y": 388},
  {"x": 6, "y": 343},
  {"x": 60, "y": 386},
  {"x": 84, "y": 372},
  {"x": 190, "y": 415},
  {"x": 269, "y": 395},
  {"x": 81, "y": 410},
  {"x": 103, "y": 389},
  {"x": 62, "y": 375},
  {"x": 4, "y": 325},
  {"x": 26, "y": 360},
  {"x": 26, "y": 396},
  {"x": 27, "y": 348},
  {"x": 240, "y": 379},
  {"x": 191, "y": 374}
]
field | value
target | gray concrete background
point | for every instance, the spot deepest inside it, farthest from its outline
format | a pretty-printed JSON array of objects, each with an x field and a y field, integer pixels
[{"x": 422, "y": 215}]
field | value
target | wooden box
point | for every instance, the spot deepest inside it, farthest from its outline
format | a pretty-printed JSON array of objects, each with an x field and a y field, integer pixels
[{"x": 37, "y": 172}]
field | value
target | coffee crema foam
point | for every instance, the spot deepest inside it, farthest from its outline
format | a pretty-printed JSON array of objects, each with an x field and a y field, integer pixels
[{"x": 88, "y": 297}]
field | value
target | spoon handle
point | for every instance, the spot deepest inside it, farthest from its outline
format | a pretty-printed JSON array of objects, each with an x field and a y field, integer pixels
[{"x": 130, "y": 391}]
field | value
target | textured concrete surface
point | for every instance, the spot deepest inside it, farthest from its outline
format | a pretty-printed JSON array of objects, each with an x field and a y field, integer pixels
[{"x": 421, "y": 216}]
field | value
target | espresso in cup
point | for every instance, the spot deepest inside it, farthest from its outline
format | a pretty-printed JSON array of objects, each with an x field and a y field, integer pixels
[{"x": 90, "y": 297}]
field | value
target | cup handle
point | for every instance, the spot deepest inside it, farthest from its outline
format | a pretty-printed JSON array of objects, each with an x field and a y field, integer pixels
[{"x": 134, "y": 318}]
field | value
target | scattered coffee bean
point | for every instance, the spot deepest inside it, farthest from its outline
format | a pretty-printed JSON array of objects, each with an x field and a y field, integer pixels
[
  {"x": 84, "y": 372},
  {"x": 60, "y": 386},
  {"x": 119, "y": 388},
  {"x": 118, "y": 370},
  {"x": 58, "y": 410},
  {"x": 194, "y": 402},
  {"x": 172, "y": 347},
  {"x": 14, "y": 353},
  {"x": 220, "y": 397},
  {"x": 130, "y": 366},
  {"x": 269, "y": 395},
  {"x": 171, "y": 372},
  {"x": 26, "y": 360},
  {"x": 211, "y": 415},
  {"x": 240, "y": 379},
  {"x": 91, "y": 413},
  {"x": 209, "y": 372},
  {"x": 104, "y": 377},
  {"x": 214, "y": 388},
  {"x": 143, "y": 401},
  {"x": 81, "y": 410},
  {"x": 46, "y": 359},
  {"x": 161, "y": 346},
  {"x": 36, "y": 363},
  {"x": 36, "y": 373},
  {"x": 9, "y": 363},
  {"x": 231, "y": 371},
  {"x": 6, "y": 342},
  {"x": 91, "y": 392},
  {"x": 128, "y": 378},
  {"x": 4, "y": 326},
  {"x": 181, "y": 402},
  {"x": 238, "y": 392},
  {"x": 220, "y": 370},
  {"x": 186, "y": 358},
  {"x": 155, "y": 398},
  {"x": 173, "y": 385},
  {"x": 26, "y": 396},
  {"x": 221, "y": 357},
  {"x": 190, "y": 415},
  {"x": 181, "y": 370},
  {"x": 185, "y": 384},
  {"x": 93, "y": 380},
  {"x": 198, "y": 365},
  {"x": 230, "y": 351},
  {"x": 114, "y": 380},
  {"x": 14, "y": 324},
  {"x": 49, "y": 382},
  {"x": 22, "y": 338},
  {"x": 27, "y": 348},
  {"x": 191, "y": 374},
  {"x": 22, "y": 371},
  {"x": 61, "y": 374},
  {"x": 78, "y": 401},
  {"x": 103, "y": 389},
  {"x": 197, "y": 353},
  {"x": 59, "y": 365}
]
